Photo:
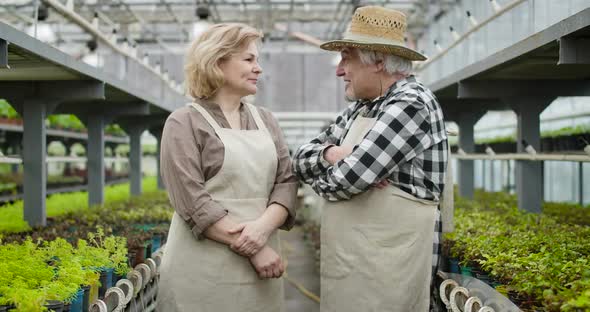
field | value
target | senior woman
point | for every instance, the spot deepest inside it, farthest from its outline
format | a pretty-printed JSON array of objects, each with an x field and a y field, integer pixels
[{"x": 228, "y": 174}]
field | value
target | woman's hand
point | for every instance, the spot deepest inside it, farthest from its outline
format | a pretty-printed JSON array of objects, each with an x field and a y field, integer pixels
[
  {"x": 253, "y": 236},
  {"x": 267, "y": 263}
]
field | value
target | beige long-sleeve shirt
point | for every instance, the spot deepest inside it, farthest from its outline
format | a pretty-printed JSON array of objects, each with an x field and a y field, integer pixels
[{"x": 191, "y": 153}]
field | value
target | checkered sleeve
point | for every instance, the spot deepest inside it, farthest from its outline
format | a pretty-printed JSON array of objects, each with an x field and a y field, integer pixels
[
  {"x": 308, "y": 161},
  {"x": 401, "y": 132}
]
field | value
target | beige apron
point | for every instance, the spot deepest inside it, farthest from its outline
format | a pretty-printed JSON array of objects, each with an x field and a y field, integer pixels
[
  {"x": 376, "y": 248},
  {"x": 206, "y": 276}
]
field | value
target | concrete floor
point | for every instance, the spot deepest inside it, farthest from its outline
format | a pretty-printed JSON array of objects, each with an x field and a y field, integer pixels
[{"x": 300, "y": 270}]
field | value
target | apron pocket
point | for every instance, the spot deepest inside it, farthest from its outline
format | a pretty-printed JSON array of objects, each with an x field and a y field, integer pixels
[
  {"x": 388, "y": 235},
  {"x": 335, "y": 262}
]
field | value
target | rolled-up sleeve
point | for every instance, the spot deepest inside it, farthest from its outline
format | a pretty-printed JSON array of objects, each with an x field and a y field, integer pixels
[
  {"x": 284, "y": 191},
  {"x": 309, "y": 162},
  {"x": 180, "y": 167}
]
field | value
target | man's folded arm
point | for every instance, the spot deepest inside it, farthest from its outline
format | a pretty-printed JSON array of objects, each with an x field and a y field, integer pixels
[
  {"x": 401, "y": 132},
  {"x": 308, "y": 161}
]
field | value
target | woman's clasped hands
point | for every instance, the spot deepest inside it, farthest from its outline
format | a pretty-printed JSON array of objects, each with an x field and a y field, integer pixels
[{"x": 251, "y": 243}]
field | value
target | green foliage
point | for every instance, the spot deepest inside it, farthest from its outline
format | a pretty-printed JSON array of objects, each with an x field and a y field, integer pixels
[
  {"x": 581, "y": 129},
  {"x": 54, "y": 270},
  {"x": 78, "y": 149},
  {"x": 60, "y": 121},
  {"x": 149, "y": 149},
  {"x": 114, "y": 130},
  {"x": 562, "y": 132},
  {"x": 122, "y": 149},
  {"x": 65, "y": 122},
  {"x": 146, "y": 149},
  {"x": 545, "y": 256},
  {"x": 56, "y": 148},
  {"x": 563, "y": 212},
  {"x": 11, "y": 215},
  {"x": 8, "y": 187},
  {"x": 499, "y": 139},
  {"x": 48, "y": 267},
  {"x": 6, "y": 110}
]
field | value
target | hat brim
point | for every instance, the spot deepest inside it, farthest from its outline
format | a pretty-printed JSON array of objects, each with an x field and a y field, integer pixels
[{"x": 407, "y": 53}]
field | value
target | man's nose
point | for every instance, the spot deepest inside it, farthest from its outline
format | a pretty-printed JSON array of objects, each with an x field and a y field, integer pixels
[{"x": 339, "y": 70}]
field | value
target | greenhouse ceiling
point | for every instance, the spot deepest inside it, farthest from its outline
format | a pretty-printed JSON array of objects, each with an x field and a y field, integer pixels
[{"x": 168, "y": 25}]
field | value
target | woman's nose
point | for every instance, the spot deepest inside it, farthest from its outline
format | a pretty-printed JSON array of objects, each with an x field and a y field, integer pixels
[{"x": 257, "y": 69}]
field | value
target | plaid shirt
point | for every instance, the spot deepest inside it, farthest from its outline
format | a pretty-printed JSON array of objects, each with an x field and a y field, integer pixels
[{"x": 407, "y": 145}]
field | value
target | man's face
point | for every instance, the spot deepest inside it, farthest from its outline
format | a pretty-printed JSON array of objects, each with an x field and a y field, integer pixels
[{"x": 361, "y": 80}]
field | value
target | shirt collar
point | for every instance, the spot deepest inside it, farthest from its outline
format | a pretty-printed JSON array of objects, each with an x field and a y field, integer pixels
[
  {"x": 212, "y": 106},
  {"x": 393, "y": 89}
]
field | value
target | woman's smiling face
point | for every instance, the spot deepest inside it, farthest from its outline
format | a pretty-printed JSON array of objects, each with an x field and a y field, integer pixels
[{"x": 241, "y": 71}]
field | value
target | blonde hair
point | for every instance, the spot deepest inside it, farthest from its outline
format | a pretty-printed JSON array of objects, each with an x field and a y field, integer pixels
[{"x": 201, "y": 70}]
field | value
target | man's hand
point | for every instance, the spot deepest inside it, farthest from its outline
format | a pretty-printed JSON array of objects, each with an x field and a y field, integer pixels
[
  {"x": 334, "y": 154},
  {"x": 267, "y": 263},
  {"x": 383, "y": 184},
  {"x": 253, "y": 236}
]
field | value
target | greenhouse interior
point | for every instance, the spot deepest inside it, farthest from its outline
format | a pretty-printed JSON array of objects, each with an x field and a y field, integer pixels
[{"x": 100, "y": 187}]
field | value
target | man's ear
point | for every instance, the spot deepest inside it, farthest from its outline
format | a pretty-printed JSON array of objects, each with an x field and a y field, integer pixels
[{"x": 379, "y": 66}]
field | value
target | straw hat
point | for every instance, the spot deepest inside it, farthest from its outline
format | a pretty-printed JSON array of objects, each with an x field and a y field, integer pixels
[{"x": 378, "y": 29}]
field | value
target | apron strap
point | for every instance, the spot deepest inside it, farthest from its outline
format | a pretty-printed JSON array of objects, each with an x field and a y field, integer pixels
[
  {"x": 206, "y": 115},
  {"x": 257, "y": 119}
]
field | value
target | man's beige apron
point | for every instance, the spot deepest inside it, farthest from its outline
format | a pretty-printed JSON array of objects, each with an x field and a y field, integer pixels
[
  {"x": 206, "y": 276},
  {"x": 376, "y": 248}
]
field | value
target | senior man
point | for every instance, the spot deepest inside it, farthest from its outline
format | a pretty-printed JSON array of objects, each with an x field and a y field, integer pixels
[{"x": 381, "y": 166}]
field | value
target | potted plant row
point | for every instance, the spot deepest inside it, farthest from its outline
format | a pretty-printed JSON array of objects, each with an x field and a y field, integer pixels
[{"x": 541, "y": 261}]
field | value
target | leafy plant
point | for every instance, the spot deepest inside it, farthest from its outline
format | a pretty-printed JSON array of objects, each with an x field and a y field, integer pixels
[
  {"x": 7, "y": 111},
  {"x": 539, "y": 256},
  {"x": 11, "y": 215}
]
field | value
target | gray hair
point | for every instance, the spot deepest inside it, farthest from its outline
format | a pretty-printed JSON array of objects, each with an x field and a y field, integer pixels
[{"x": 393, "y": 64}]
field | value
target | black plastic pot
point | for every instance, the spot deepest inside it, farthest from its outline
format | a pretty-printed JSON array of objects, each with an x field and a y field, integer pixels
[
  {"x": 480, "y": 148},
  {"x": 546, "y": 145},
  {"x": 6, "y": 307},
  {"x": 148, "y": 251},
  {"x": 454, "y": 265},
  {"x": 504, "y": 147},
  {"x": 54, "y": 305},
  {"x": 139, "y": 256},
  {"x": 86, "y": 301},
  {"x": 106, "y": 281}
]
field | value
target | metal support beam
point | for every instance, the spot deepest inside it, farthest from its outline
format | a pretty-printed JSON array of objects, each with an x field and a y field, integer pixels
[
  {"x": 134, "y": 128},
  {"x": 135, "y": 158},
  {"x": 466, "y": 122},
  {"x": 95, "y": 165},
  {"x": 57, "y": 92},
  {"x": 529, "y": 174},
  {"x": 109, "y": 110},
  {"x": 34, "y": 142},
  {"x": 34, "y": 101},
  {"x": 574, "y": 50},
  {"x": 493, "y": 89},
  {"x": 4, "y": 54}
]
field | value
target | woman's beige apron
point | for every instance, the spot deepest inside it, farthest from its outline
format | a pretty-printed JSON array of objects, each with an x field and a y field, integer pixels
[
  {"x": 376, "y": 248},
  {"x": 206, "y": 276}
]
